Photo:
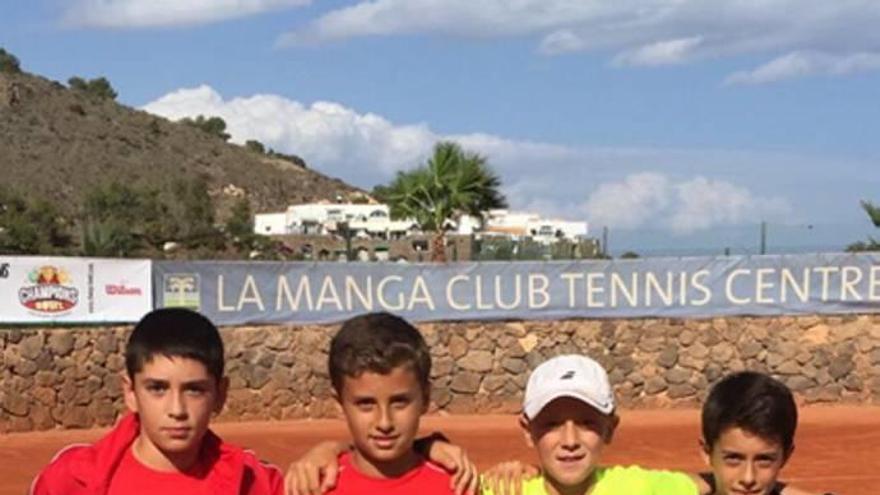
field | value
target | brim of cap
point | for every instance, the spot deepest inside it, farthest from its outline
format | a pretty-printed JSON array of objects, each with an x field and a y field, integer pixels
[{"x": 534, "y": 407}]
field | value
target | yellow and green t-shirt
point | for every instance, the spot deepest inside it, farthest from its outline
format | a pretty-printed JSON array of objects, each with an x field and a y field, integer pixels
[{"x": 621, "y": 480}]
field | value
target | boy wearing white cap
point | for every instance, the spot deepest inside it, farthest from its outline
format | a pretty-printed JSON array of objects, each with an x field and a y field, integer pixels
[{"x": 568, "y": 418}]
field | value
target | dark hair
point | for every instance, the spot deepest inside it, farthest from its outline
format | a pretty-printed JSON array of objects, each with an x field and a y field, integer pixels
[
  {"x": 378, "y": 342},
  {"x": 174, "y": 332},
  {"x": 755, "y": 402}
]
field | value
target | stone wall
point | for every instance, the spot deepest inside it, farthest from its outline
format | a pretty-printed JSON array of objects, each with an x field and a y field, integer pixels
[{"x": 69, "y": 378}]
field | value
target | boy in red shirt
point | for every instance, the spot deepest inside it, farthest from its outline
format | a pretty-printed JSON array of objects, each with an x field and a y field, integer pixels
[
  {"x": 173, "y": 384},
  {"x": 380, "y": 368}
]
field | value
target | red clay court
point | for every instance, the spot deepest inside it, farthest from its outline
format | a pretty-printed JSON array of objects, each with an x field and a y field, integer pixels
[{"x": 837, "y": 448}]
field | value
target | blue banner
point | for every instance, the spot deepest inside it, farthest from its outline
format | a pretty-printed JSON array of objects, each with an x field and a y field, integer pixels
[{"x": 235, "y": 293}]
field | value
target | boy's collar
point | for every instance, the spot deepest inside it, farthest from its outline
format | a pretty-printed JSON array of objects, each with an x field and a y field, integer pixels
[{"x": 96, "y": 467}]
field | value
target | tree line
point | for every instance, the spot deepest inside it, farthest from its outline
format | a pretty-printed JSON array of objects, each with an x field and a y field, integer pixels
[{"x": 124, "y": 220}]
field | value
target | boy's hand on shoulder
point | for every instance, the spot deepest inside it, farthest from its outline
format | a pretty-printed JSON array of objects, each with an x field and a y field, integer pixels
[
  {"x": 465, "y": 477},
  {"x": 506, "y": 478},
  {"x": 315, "y": 472}
]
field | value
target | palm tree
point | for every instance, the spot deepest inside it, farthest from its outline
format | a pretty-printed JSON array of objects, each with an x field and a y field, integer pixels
[
  {"x": 452, "y": 183},
  {"x": 872, "y": 211},
  {"x": 872, "y": 244}
]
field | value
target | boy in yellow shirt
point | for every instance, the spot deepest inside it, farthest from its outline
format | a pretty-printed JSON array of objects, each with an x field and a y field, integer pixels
[{"x": 568, "y": 418}]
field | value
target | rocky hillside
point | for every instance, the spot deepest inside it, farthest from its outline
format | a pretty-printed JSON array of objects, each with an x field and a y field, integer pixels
[{"x": 57, "y": 143}]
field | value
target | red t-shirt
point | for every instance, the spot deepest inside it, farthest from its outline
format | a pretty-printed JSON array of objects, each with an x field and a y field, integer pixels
[
  {"x": 424, "y": 479},
  {"x": 133, "y": 478}
]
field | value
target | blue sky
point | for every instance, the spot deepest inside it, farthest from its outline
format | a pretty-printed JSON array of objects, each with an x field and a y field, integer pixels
[{"x": 678, "y": 124}]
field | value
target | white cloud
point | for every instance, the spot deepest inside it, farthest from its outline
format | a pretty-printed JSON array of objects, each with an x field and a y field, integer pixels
[
  {"x": 362, "y": 145},
  {"x": 639, "y": 32},
  {"x": 607, "y": 186},
  {"x": 485, "y": 18},
  {"x": 661, "y": 53},
  {"x": 630, "y": 203},
  {"x": 562, "y": 41},
  {"x": 153, "y": 13},
  {"x": 799, "y": 64},
  {"x": 702, "y": 203},
  {"x": 652, "y": 200}
]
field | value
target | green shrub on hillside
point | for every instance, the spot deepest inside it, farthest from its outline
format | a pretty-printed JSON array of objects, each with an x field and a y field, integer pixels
[
  {"x": 215, "y": 126},
  {"x": 8, "y": 62},
  {"x": 290, "y": 158},
  {"x": 99, "y": 87},
  {"x": 255, "y": 146},
  {"x": 31, "y": 226},
  {"x": 123, "y": 220},
  {"x": 194, "y": 212},
  {"x": 240, "y": 226}
]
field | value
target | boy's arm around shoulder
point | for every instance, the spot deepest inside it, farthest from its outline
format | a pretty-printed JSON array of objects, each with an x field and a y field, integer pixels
[{"x": 267, "y": 478}]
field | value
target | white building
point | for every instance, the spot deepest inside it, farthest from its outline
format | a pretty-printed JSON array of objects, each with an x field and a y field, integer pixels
[
  {"x": 547, "y": 231},
  {"x": 374, "y": 221},
  {"x": 525, "y": 224},
  {"x": 369, "y": 220},
  {"x": 270, "y": 223}
]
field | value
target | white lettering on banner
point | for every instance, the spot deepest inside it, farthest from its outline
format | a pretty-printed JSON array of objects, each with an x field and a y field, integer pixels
[
  {"x": 302, "y": 290},
  {"x": 328, "y": 295},
  {"x": 450, "y": 287},
  {"x": 697, "y": 283},
  {"x": 592, "y": 289},
  {"x": 478, "y": 293},
  {"x": 682, "y": 288},
  {"x": 637, "y": 289},
  {"x": 802, "y": 291},
  {"x": 652, "y": 282},
  {"x": 570, "y": 278},
  {"x": 761, "y": 285},
  {"x": 220, "y": 299},
  {"x": 381, "y": 294},
  {"x": 420, "y": 294},
  {"x": 364, "y": 296},
  {"x": 538, "y": 285},
  {"x": 250, "y": 294},
  {"x": 745, "y": 286},
  {"x": 517, "y": 293},
  {"x": 495, "y": 300},
  {"x": 728, "y": 287},
  {"x": 826, "y": 272},
  {"x": 874, "y": 284},
  {"x": 619, "y": 285},
  {"x": 850, "y": 277}
]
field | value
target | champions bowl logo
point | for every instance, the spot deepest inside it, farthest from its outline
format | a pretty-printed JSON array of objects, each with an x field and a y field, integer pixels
[{"x": 51, "y": 291}]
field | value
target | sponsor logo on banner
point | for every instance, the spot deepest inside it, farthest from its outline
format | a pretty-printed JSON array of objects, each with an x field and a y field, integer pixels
[
  {"x": 122, "y": 290},
  {"x": 48, "y": 291},
  {"x": 181, "y": 290}
]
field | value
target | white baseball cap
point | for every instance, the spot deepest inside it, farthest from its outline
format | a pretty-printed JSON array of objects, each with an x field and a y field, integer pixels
[{"x": 571, "y": 375}]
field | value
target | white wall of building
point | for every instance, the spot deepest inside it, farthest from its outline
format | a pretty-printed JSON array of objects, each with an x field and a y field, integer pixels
[
  {"x": 270, "y": 223},
  {"x": 548, "y": 230},
  {"x": 373, "y": 220},
  {"x": 336, "y": 212}
]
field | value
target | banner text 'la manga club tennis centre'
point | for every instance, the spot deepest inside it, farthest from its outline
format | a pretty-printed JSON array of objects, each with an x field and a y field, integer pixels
[{"x": 240, "y": 293}]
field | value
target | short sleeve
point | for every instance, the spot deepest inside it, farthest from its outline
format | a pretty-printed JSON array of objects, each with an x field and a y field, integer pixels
[{"x": 670, "y": 483}]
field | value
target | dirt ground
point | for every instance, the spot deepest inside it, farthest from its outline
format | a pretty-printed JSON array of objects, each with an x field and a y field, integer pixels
[{"x": 837, "y": 448}]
